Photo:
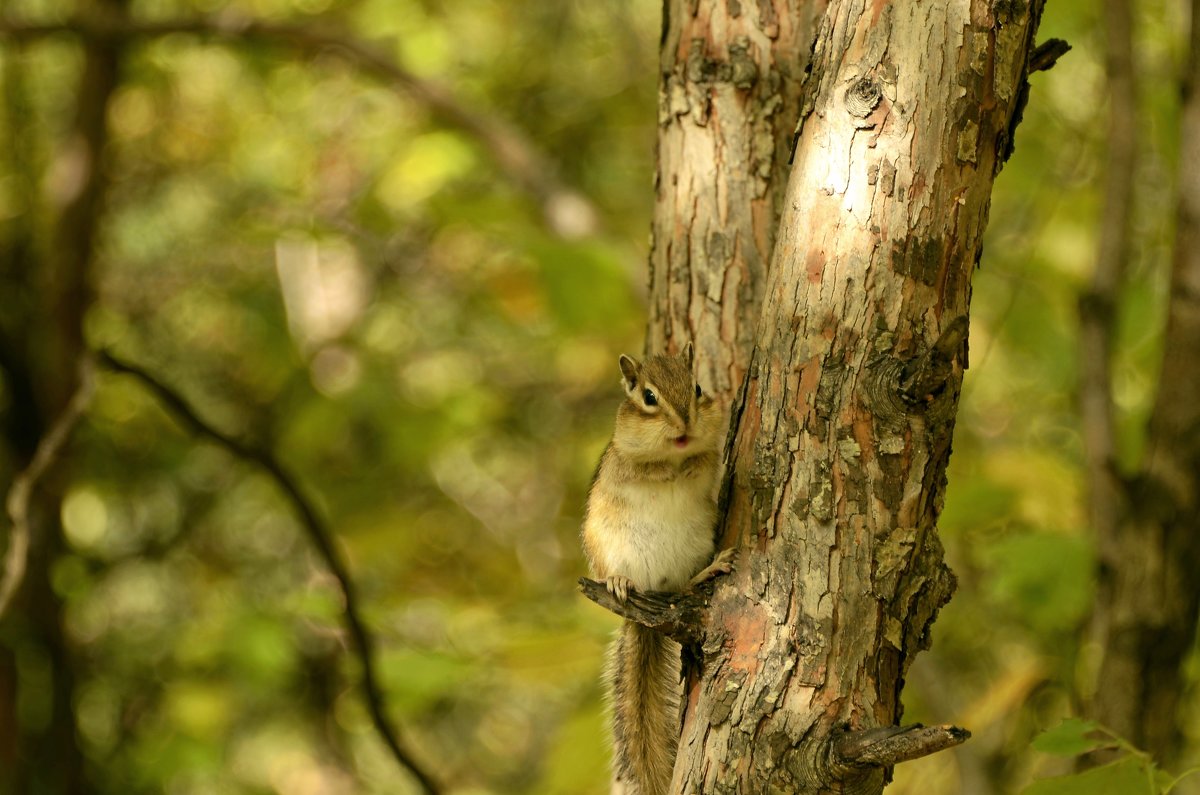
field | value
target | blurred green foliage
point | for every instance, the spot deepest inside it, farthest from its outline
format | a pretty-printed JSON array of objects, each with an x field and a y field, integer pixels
[
  {"x": 1009, "y": 657},
  {"x": 322, "y": 267},
  {"x": 1133, "y": 772}
]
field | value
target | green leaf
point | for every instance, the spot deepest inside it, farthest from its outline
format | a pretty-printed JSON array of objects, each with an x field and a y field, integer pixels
[
  {"x": 1070, "y": 738},
  {"x": 1127, "y": 776}
]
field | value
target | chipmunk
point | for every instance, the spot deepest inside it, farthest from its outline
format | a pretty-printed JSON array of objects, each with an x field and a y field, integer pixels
[{"x": 649, "y": 525}]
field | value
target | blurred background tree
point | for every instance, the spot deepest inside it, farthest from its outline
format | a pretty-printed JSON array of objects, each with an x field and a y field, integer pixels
[{"x": 399, "y": 243}]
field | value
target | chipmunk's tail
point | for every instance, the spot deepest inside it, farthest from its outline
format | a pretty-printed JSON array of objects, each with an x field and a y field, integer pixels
[{"x": 643, "y": 670}]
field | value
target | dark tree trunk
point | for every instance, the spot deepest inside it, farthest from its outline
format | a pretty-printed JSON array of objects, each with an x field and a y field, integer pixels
[
  {"x": 41, "y": 353},
  {"x": 1149, "y": 524}
]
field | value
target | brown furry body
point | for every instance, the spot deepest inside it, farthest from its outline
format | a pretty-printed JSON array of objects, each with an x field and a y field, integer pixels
[{"x": 649, "y": 525}]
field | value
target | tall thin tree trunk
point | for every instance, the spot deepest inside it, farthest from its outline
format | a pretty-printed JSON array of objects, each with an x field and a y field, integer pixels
[
  {"x": 49, "y": 758},
  {"x": 1149, "y": 600}
]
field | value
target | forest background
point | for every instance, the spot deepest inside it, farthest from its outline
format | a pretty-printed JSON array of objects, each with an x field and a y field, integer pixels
[{"x": 406, "y": 268}]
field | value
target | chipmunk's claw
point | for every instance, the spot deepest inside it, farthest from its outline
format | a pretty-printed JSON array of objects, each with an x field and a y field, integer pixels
[
  {"x": 721, "y": 564},
  {"x": 618, "y": 585}
]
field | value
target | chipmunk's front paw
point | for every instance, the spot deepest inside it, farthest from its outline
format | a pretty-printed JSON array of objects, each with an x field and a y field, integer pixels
[
  {"x": 618, "y": 585},
  {"x": 721, "y": 564}
]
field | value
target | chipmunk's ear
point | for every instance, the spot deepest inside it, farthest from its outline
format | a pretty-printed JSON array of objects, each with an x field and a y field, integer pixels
[
  {"x": 689, "y": 353},
  {"x": 630, "y": 367}
]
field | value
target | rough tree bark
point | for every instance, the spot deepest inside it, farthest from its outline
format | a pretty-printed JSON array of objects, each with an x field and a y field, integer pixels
[
  {"x": 1149, "y": 597},
  {"x": 731, "y": 87},
  {"x": 842, "y": 428}
]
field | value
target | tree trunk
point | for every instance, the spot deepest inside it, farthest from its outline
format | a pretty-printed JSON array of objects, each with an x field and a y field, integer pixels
[
  {"x": 43, "y": 358},
  {"x": 1149, "y": 599},
  {"x": 842, "y": 429},
  {"x": 732, "y": 77}
]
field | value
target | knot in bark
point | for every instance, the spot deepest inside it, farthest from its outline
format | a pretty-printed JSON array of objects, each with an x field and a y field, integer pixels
[
  {"x": 863, "y": 97},
  {"x": 896, "y": 389},
  {"x": 922, "y": 379}
]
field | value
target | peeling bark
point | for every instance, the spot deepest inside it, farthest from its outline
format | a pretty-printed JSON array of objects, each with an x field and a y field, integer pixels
[
  {"x": 730, "y": 92},
  {"x": 842, "y": 430}
]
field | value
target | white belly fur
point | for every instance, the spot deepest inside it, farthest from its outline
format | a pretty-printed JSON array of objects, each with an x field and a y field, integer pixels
[{"x": 662, "y": 532}]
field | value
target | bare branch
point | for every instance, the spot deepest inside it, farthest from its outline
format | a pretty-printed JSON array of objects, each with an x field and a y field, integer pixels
[
  {"x": 890, "y": 745},
  {"x": 320, "y": 536},
  {"x": 678, "y": 615},
  {"x": 566, "y": 211},
  {"x": 21, "y": 491},
  {"x": 1047, "y": 54}
]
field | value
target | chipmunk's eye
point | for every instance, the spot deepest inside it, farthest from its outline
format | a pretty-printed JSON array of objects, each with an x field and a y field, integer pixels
[
  {"x": 698, "y": 392},
  {"x": 649, "y": 398}
]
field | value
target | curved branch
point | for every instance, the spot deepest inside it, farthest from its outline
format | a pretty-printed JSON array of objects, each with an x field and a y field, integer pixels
[
  {"x": 19, "y": 494},
  {"x": 319, "y": 535},
  {"x": 566, "y": 211}
]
